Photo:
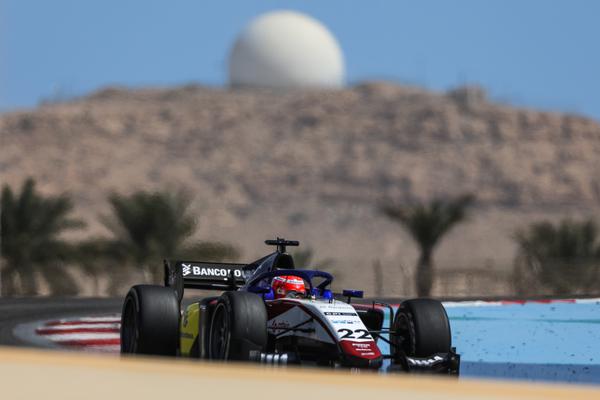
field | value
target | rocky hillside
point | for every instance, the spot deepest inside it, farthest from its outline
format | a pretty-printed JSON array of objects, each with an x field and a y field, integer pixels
[{"x": 313, "y": 165}]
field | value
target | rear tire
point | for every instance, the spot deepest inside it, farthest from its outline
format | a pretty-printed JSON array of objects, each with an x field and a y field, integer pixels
[
  {"x": 238, "y": 326},
  {"x": 150, "y": 321},
  {"x": 421, "y": 329}
]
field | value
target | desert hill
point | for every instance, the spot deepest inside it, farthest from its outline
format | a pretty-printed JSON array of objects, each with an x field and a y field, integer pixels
[{"x": 313, "y": 165}]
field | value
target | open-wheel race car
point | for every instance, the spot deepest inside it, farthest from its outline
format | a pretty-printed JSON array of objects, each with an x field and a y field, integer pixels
[{"x": 270, "y": 312}]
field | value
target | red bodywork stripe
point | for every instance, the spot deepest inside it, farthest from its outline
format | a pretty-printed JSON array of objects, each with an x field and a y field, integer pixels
[{"x": 368, "y": 350}]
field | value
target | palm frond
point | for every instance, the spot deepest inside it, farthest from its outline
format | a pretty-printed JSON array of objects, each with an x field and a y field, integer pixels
[
  {"x": 150, "y": 226},
  {"x": 564, "y": 257},
  {"x": 567, "y": 239},
  {"x": 427, "y": 223},
  {"x": 30, "y": 227}
]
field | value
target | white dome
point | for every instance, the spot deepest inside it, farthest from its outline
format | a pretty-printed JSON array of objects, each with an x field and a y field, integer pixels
[{"x": 285, "y": 49}]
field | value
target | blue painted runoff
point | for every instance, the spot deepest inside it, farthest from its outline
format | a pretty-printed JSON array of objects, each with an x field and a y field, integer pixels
[{"x": 531, "y": 341}]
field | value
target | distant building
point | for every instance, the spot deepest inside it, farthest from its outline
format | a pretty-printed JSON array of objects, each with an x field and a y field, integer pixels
[{"x": 286, "y": 49}]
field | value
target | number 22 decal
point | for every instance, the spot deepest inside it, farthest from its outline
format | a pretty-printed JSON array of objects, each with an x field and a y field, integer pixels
[{"x": 350, "y": 334}]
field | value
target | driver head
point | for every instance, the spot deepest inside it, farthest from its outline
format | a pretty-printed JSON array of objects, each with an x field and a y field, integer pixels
[{"x": 288, "y": 285}]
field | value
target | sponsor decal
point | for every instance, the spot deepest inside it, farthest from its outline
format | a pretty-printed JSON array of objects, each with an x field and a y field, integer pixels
[
  {"x": 425, "y": 362},
  {"x": 364, "y": 350},
  {"x": 334, "y": 306},
  {"x": 196, "y": 270},
  {"x": 343, "y": 321},
  {"x": 290, "y": 279},
  {"x": 279, "y": 325},
  {"x": 340, "y": 314}
]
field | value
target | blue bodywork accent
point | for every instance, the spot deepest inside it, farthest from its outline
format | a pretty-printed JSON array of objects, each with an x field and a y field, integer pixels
[
  {"x": 353, "y": 293},
  {"x": 270, "y": 295}
]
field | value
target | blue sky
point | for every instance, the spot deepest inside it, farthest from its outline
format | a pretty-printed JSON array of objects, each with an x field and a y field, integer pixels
[{"x": 538, "y": 53}]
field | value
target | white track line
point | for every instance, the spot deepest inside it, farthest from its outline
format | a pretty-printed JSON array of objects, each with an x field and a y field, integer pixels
[
  {"x": 80, "y": 326},
  {"x": 81, "y": 336}
]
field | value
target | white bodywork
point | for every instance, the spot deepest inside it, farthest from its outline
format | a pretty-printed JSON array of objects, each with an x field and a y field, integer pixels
[{"x": 339, "y": 318}]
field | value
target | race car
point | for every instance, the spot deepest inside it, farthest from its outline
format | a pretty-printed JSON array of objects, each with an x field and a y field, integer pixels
[{"x": 270, "y": 312}]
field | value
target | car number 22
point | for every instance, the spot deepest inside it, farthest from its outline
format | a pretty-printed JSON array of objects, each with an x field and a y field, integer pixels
[{"x": 354, "y": 334}]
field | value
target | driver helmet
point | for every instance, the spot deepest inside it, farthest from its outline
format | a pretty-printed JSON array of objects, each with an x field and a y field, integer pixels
[{"x": 288, "y": 286}]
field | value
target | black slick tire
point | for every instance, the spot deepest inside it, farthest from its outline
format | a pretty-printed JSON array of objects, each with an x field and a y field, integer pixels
[
  {"x": 238, "y": 326},
  {"x": 421, "y": 328},
  {"x": 150, "y": 321}
]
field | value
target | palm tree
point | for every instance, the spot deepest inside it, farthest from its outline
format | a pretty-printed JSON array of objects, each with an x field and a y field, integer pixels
[
  {"x": 31, "y": 244},
  {"x": 150, "y": 226},
  {"x": 564, "y": 257},
  {"x": 427, "y": 223}
]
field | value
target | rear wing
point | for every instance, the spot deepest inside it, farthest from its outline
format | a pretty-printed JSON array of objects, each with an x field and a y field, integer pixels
[{"x": 204, "y": 275}]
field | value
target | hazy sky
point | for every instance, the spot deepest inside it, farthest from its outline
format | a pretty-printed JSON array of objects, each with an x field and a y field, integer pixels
[{"x": 539, "y": 53}]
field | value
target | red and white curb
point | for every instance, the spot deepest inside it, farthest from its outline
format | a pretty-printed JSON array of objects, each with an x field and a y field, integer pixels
[{"x": 96, "y": 334}]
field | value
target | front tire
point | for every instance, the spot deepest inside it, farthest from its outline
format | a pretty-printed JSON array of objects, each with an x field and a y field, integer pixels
[
  {"x": 238, "y": 326},
  {"x": 150, "y": 321},
  {"x": 421, "y": 329}
]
